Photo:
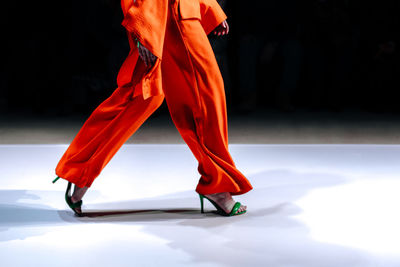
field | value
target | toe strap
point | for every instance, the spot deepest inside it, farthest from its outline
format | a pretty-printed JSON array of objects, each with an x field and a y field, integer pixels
[{"x": 235, "y": 208}]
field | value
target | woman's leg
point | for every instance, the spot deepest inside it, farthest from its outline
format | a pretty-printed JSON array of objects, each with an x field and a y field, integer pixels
[
  {"x": 194, "y": 92},
  {"x": 102, "y": 135}
]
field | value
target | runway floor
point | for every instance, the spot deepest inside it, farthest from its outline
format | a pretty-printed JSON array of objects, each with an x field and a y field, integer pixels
[{"x": 312, "y": 205}]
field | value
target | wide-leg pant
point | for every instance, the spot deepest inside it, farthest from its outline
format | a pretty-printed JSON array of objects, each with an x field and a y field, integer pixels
[{"x": 194, "y": 92}]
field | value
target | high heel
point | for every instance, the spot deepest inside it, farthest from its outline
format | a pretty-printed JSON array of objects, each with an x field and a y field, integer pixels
[
  {"x": 55, "y": 180},
  {"x": 72, "y": 205},
  {"x": 219, "y": 209}
]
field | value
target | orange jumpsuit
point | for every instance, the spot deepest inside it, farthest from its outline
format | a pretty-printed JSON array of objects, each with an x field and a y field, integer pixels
[{"x": 185, "y": 73}]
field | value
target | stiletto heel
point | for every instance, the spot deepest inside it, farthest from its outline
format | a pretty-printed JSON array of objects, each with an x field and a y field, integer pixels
[
  {"x": 219, "y": 209},
  {"x": 55, "y": 180},
  {"x": 202, "y": 203}
]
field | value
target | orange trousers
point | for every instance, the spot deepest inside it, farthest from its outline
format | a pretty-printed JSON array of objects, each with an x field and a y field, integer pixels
[{"x": 197, "y": 107}]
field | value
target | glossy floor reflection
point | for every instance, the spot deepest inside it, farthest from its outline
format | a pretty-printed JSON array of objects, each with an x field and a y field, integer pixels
[{"x": 312, "y": 205}]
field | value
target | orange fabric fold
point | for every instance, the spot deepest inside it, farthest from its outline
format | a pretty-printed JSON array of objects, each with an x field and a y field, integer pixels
[{"x": 146, "y": 20}]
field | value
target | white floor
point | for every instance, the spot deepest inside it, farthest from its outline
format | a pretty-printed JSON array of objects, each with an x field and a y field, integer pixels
[{"x": 312, "y": 205}]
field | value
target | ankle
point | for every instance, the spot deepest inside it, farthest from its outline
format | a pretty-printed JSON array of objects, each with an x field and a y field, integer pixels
[
  {"x": 221, "y": 196},
  {"x": 79, "y": 192},
  {"x": 74, "y": 199}
]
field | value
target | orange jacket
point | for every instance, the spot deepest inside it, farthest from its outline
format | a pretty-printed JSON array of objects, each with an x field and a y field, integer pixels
[{"x": 146, "y": 20}]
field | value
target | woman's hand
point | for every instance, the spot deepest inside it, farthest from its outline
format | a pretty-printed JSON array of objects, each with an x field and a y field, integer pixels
[
  {"x": 148, "y": 58},
  {"x": 222, "y": 29}
]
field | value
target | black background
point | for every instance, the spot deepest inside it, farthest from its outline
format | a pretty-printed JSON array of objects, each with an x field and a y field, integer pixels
[{"x": 62, "y": 58}]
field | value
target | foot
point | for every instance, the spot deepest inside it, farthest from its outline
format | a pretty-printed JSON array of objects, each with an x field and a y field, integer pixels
[
  {"x": 79, "y": 192},
  {"x": 225, "y": 201}
]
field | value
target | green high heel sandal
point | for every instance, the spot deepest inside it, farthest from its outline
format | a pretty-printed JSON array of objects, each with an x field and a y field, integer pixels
[
  {"x": 72, "y": 205},
  {"x": 219, "y": 209}
]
